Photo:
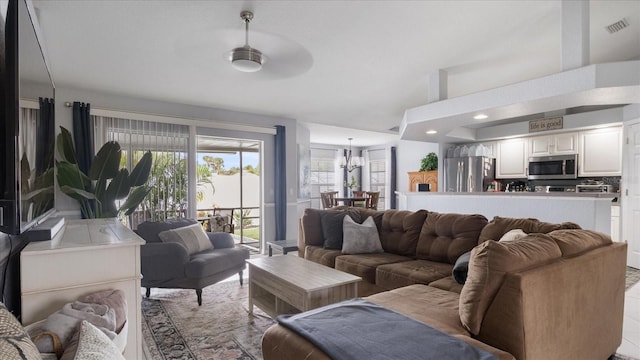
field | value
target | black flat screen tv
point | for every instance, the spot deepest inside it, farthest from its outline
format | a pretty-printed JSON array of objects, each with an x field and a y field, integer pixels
[{"x": 27, "y": 123}]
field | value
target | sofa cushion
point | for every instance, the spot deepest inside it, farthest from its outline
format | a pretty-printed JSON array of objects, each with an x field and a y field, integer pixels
[
  {"x": 14, "y": 340},
  {"x": 360, "y": 238},
  {"x": 364, "y": 265},
  {"x": 432, "y": 306},
  {"x": 311, "y": 227},
  {"x": 321, "y": 255},
  {"x": 501, "y": 225},
  {"x": 573, "y": 243},
  {"x": 487, "y": 267},
  {"x": 214, "y": 261},
  {"x": 392, "y": 276},
  {"x": 149, "y": 230},
  {"x": 400, "y": 230},
  {"x": 192, "y": 237},
  {"x": 444, "y": 237},
  {"x": 331, "y": 221},
  {"x": 448, "y": 284}
]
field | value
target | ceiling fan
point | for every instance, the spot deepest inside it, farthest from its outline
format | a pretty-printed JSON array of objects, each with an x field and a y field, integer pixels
[
  {"x": 246, "y": 58},
  {"x": 286, "y": 57}
]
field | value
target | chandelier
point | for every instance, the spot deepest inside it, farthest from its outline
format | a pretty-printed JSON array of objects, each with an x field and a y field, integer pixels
[{"x": 350, "y": 162}]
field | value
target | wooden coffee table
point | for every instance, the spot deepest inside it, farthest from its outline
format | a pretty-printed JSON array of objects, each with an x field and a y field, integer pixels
[{"x": 289, "y": 284}]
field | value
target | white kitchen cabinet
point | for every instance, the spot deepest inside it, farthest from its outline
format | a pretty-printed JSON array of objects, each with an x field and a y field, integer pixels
[
  {"x": 512, "y": 159},
  {"x": 566, "y": 143},
  {"x": 615, "y": 223},
  {"x": 600, "y": 152},
  {"x": 87, "y": 256}
]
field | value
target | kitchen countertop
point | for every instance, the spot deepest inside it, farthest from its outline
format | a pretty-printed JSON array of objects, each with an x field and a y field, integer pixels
[{"x": 522, "y": 193}]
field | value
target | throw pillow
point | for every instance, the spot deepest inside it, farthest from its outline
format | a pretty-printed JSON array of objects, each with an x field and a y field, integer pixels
[
  {"x": 90, "y": 343},
  {"x": 461, "y": 267},
  {"x": 360, "y": 238},
  {"x": 192, "y": 237},
  {"x": 513, "y": 235},
  {"x": 332, "y": 227},
  {"x": 14, "y": 341}
]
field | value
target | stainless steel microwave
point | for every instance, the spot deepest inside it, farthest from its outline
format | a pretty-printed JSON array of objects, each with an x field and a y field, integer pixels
[{"x": 553, "y": 167}]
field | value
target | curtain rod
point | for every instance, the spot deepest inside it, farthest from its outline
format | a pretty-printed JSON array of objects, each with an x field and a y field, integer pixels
[{"x": 131, "y": 115}]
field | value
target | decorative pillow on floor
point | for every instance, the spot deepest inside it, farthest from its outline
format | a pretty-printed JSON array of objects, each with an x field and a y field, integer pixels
[
  {"x": 90, "y": 343},
  {"x": 360, "y": 238},
  {"x": 192, "y": 237},
  {"x": 14, "y": 341}
]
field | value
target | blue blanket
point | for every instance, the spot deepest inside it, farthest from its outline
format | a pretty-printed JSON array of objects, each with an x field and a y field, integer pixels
[{"x": 358, "y": 329}]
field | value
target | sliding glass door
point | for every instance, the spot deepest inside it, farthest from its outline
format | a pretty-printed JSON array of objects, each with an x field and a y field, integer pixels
[{"x": 228, "y": 192}]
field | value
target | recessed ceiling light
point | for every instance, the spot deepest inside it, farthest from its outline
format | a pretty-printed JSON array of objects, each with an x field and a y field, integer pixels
[
  {"x": 431, "y": 132},
  {"x": 481, "y": 116}
]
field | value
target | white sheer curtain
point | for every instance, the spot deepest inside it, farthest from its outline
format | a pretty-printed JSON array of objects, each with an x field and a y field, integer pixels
[
  {"x": 366, "y": 168},
  {"x": 169, "y": 146}
]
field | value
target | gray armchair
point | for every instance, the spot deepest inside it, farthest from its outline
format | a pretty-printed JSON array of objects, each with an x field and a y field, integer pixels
[{"x": 168, "y": 265}]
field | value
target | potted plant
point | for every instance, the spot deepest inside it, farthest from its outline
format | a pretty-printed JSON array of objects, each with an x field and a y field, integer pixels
[
  {"x": 350, "y": 185},
  {"x": 428, "y": 173},
  {"x": 105, "y": 183},
  {"x": 429, "y": 162}
]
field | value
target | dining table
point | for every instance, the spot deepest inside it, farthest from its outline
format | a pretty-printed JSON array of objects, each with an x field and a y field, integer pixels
[{"x": 351, "y": 200}]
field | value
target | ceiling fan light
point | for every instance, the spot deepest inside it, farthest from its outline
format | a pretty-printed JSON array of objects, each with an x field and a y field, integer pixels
[{"x": 246, "y": 59}]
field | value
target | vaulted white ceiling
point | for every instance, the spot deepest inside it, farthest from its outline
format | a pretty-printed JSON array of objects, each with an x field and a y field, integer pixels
[{"x": 354, "y": 64}]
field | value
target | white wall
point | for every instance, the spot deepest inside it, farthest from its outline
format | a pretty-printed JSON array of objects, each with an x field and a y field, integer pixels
[
  {"x": 141, "y": 105},
  {"x": 409, "y": 153}
]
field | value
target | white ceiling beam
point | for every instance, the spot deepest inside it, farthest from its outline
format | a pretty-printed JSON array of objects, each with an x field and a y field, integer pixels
[
  {"x": 437, "y": 86},
  {"x": 575, "y": 34}
]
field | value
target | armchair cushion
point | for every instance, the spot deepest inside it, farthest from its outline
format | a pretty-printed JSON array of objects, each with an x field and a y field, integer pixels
[
  {"x": 215, "y": 261},
  {"x": 221, "y": 240},
  {"x": 163, "y": 260},
  {"x": 192, "y": 237},
  {"x": 149, "y": 230}
]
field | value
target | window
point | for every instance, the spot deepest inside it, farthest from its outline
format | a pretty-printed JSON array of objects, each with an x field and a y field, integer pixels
[
  {"x": 168, "y": 144},
  {"x": 323, "y": 174},
  {"x": 378, "y": 175}
]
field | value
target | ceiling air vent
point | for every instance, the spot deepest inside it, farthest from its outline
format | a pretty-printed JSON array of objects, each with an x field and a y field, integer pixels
[{"x": 617, "y": 26}]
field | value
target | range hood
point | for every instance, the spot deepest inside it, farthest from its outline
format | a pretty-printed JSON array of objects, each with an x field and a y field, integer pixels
[{"x": 593, "y": 85}]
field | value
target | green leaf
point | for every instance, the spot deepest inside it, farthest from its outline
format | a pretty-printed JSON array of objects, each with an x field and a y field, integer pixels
[
  {"x": 119, "y": 187},
  {"x": 107, "y": 162},
  {"x": 140, "y": 173},
  {"x": 135, "y": 198},
  {"x": 70, "y": 175},
  {"x": 64, "y": 143},
  {"x": 77, "y": 194}
]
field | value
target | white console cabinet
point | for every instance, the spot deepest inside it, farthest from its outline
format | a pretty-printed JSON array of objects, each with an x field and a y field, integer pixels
[{"x": 85, "y": 257}]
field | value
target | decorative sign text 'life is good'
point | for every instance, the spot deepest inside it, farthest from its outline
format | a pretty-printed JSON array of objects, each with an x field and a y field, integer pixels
[{"x": 553, "y": 123}]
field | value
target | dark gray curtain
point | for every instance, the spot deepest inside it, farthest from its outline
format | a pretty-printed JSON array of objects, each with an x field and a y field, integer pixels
[
  {"x": 45, "y": 138},
  {"x": 280, "y": 183},
  {"x": 83, "y": 135},
  {"x": 393, "y": 182}
]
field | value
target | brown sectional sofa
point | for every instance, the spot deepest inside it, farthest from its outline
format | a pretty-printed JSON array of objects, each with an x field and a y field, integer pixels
[{"x": 557, "y": 293}]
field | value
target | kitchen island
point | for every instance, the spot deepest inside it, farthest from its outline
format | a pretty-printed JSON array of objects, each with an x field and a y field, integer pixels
[{"x": 589, "y": 210}]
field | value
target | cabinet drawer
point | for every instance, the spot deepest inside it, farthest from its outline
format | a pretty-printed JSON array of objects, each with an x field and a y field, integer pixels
[{"x": 59, "y": 269}]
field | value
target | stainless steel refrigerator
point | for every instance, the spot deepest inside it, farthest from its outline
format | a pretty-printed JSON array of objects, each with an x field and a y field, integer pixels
[{"x": 468, "y": 174}]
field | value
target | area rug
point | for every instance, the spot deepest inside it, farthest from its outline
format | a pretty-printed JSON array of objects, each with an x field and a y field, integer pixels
[{"x": 175, "y": 327}]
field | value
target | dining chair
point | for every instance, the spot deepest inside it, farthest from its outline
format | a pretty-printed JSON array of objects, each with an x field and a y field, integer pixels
[
  {"x": 359, "y": 193},
  {"x": 328, "y": 199},
  {"x": 372, "y": 199}
]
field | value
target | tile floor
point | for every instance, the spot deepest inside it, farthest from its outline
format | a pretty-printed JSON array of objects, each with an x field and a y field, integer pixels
[{"x": 631, "y": 326}]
